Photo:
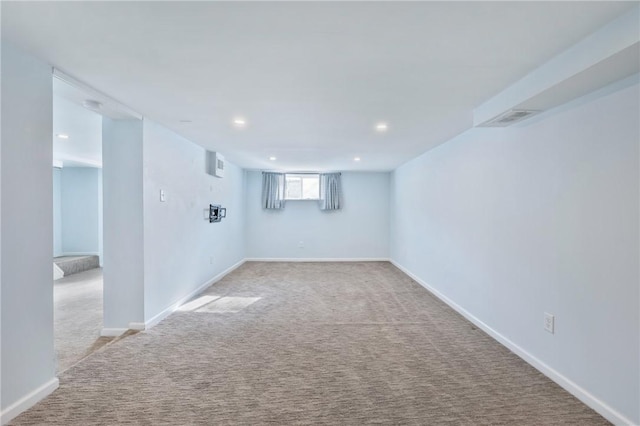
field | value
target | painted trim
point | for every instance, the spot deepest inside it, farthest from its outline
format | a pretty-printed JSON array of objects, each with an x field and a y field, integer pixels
[
  {"x": 171, "y": 308},
  {"x": 137, "y": 326},
  {"x": 28, "y": 401},
  {"x": 80, "y": 253},
  {"x": 582, "y": 394},
  {"x": 317, "y": 259},
  {"x": 140, "y": 326},
  {"x": 57, "y": 272},
  {"x": 113, "y": 332}
]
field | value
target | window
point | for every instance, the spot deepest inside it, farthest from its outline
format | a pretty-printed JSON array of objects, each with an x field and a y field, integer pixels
[{"x": 302, "y": 186}]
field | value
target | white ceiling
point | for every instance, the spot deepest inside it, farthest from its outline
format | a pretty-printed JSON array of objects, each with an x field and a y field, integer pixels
[
  {"x": 310, "y": 78},
  {"x": 83, "y": 148}
]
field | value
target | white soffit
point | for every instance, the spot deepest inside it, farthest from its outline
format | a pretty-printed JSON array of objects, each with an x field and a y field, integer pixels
[
  {"x": 70, "y": 88},
  {"x": 608, "y": 55}
]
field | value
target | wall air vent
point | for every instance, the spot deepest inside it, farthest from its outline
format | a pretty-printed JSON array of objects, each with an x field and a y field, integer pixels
[
  {"x": 508, "y": 118},
  {"x": 215, "y": 164}
]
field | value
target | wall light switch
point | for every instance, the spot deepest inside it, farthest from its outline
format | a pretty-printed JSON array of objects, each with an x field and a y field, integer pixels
[{"x": 163, "y": 198}]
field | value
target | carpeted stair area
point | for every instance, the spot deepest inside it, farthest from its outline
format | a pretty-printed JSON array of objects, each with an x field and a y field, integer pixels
[{"x": 74, "y": 264}]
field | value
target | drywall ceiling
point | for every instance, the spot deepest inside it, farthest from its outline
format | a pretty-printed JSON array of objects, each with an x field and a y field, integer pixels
[
  {"x": 310, "y": 78},
  {"x": 83, "y": 147}
]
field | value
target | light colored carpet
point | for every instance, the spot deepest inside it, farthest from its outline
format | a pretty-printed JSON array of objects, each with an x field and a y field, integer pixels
[
  {"x": 309, "y": 343},
  {"x": 75, "y": 264},
  {"x": 77, "y": 315}
]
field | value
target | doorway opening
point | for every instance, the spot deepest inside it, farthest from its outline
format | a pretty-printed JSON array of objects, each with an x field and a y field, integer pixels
[
  {"x": 77, "y": 227},
  {"x": 78, "y": 279}
]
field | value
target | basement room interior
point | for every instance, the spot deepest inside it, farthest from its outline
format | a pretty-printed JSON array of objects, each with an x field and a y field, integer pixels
[{"x": 317, "y": 212}]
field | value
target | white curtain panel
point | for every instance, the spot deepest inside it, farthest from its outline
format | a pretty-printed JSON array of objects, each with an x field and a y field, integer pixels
[
  {"x": 330, "y": 191},
  {"x": 272, "y": 190}
]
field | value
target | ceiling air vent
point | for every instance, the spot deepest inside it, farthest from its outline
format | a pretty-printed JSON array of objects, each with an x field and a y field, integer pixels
[{"x": 509, "y": 117}]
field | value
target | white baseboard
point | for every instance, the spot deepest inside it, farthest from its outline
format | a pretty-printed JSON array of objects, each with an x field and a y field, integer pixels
[
  {"x": 57, "y": 272},
  {"x": 113, "y": 332},
  {"x": 28, "y": 401},
  {"x": 317, "y": 259},
  {"x": 171, "y": 308},
  {"x": 80, "y": 253},
  {"x": 582, "y": 394}
]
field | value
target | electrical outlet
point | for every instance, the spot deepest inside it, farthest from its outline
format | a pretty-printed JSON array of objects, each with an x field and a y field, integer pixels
[
  {"x": 163, "y": 197},
  {"x": 301, "y": 244},
  {"x": 549, "y": 322},
  {"x": 211, "y": 260}
]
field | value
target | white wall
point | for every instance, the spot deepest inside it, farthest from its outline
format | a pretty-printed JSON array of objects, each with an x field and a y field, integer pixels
[
  {"x": 182, "y": 250},
  {"x": 26, "y": 334},
  {"x": 80, "y": 207},
  {"x": 360, "y": 230},
  {"x": 100, "y": 219},
  {"x": 123, "y": 223},
  {"x": 57, "y": 213},
  {"x": 512, "y": 223},
  {"x": 157, "y": 253}
]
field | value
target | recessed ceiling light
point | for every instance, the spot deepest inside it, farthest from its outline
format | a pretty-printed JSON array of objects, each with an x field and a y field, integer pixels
[
  {"x": 272, "y": 158},
  {"x": 239, "y": 122},
  {"x": 382, "y": 127},
  {"x": 186, "y": 121},
  {"x": 62, "y": 136},
  {"x": 356, "y": 159},
  {"x": 91, "y": 104}
]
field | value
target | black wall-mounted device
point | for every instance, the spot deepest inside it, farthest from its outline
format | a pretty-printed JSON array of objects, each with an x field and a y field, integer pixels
[{"x": 216, "y": 213}]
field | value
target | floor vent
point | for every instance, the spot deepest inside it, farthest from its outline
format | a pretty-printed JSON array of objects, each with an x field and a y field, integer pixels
[{"x": 509, "y": 117}]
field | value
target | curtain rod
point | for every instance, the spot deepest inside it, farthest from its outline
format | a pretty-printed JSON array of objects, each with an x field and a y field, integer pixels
[{"x": 305, "y": 173}]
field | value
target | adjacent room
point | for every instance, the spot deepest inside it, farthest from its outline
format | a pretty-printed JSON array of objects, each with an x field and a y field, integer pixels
[
  {"x": 77, "y": 227},
  {"x": 320, "y": 213}
]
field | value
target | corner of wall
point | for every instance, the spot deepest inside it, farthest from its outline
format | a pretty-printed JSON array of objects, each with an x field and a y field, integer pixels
[
  {"x": 28, "y": 367},
  {"x": 28, "y": 401}
]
